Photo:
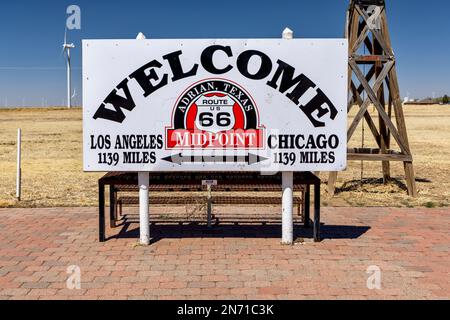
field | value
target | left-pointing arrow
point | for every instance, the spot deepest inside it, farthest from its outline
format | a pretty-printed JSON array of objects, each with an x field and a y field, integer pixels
[{"x": 180, "y": 158}]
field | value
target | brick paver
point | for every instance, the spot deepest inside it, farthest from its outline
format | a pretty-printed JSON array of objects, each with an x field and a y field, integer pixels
[{"x": 410, "y": 246}]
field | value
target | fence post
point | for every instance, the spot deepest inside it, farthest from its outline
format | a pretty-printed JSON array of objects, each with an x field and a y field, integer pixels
[{"x": 19, "y": 168}]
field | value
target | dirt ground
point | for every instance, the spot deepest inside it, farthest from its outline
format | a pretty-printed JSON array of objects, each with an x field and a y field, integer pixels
[{"x": 52, "y": 162}]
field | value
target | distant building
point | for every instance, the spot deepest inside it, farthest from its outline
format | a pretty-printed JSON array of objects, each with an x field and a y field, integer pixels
[
  {"x": 407, "y": 100},
  {"x": 426, "y": 101}
]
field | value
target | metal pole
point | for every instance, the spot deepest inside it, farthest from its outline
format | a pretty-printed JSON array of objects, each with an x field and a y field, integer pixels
[
  {"x": 316, "y": 229},
  {"x": 69, "y": 84},
  {"x": 307, "y": 205},
  {"x": 288, "y": 186},
  {"x": 287, "y": 212},
  {"x": 69, "y": 104},
  {"x": 19, "y": 169},
  {"x": 112, "y": 207},
  {"x": 208, "y": 207},
  {"x": 143, "y": 180},
  {"x": 101, "y": 212}
]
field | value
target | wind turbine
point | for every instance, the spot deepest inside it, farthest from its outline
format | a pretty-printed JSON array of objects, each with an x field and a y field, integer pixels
[{"x": 66, "y": 49}]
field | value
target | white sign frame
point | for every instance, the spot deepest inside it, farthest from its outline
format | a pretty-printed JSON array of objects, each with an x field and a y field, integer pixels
[{"x": 108, "y": 67}]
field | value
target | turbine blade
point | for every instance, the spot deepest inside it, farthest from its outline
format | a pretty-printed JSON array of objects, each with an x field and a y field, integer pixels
[{"x": 65, "y": 42}]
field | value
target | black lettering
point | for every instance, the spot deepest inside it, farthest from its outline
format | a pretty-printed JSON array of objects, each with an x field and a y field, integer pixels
[
  {"x": 175, "y": 65},
  {"x": 321, "y": 141},
  {"x": 331, "y": 157},
  {"x": 286, "y": 72},
  {"x": 333, "y": 141},
  {"x": 118, "y": 102},
  {"x": 127, "y": 157},
  {"x": 311, "y": 144},
  {"x": 145, "y": 157},
  {"x": 101, "y": 142},
  {"x": 160, "y": 141},
  {"x": 304, "y": 157},
  {"x": 144, "y": 80},
  {"x": 298, "y": 145},
  {"x": 316, "y": 104},
  {"x": 207, "y": 59},
  {"x": 264, "y": 69},
  {"x": 323, "y": 157},
  {"x": 271, "y": 143},
  {"x": 152, "y": 157},
  {"x": 283, "y": 141}
]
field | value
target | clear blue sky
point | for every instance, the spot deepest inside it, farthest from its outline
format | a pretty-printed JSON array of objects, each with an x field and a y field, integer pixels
[{"x": 32, "y": 70}]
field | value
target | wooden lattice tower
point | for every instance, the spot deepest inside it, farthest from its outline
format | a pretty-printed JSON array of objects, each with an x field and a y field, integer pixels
[{"x": 373, "y": 80}]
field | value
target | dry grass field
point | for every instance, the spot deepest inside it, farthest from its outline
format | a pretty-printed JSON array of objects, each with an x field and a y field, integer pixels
[{"x": 52, "y": 162}]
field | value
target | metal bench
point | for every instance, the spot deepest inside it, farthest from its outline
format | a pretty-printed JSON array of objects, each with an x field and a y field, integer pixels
[
  {"x": 191, "y": 182},
  {"x": 221, "y": 199}
]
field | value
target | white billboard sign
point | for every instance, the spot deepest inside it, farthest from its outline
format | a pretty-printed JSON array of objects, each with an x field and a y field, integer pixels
[{"x": 215, "y": 105}]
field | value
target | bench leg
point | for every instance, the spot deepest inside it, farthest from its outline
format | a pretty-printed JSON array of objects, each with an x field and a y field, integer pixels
[
  {"x": 101, "y": 212},
  {"x": 209, "y": 212},
  {"x": 316, "y": 231},
  {"x": 209, "y": 206},
  {"x": 118, "y": 213},
  {"x": 307, "y": 206},
  {"x": 112, "y": 206}
]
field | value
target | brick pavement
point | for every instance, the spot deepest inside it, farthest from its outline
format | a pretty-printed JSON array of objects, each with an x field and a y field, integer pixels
[{"x": 410, "y": 246}]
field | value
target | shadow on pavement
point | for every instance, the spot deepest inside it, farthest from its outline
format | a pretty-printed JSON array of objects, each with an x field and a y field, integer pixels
[{"x": 161, "y": 230}]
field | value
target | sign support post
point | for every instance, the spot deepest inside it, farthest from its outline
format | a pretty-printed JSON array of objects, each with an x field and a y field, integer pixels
[
  {"x": 287, "y": 218},
  {"x": 144, "y": 224},
  {"x": 287, "y": 185},
  {"x": 143, "y": 181}
]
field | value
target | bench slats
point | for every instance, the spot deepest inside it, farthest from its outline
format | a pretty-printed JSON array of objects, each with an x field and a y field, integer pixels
[
  {"x": 216, "y": 218},
  {"x": 163, "y": 200},
  {"x": 197, "y": 187},
  {"x": 180, "y": 200}
]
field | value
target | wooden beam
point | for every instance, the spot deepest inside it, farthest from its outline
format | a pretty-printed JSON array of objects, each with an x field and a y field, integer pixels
[
  {"x": 373, "y": 154},
  {"x": 368, "y": 118},
  {"x": 387, "y": 49},
  {"x": 370, "y": 59},
  {"x": 399, "y": 116},
  {"x": 385, "y": 165},
  {"x": 354, "y": 98},
  {"x": 370, "y": 92},
  {"x": 332, "y": 177},
  {"x": 378, "y": 157}
]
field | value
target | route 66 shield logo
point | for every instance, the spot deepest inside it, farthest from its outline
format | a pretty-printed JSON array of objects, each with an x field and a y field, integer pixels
[{"x": 215, "y": 112}]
